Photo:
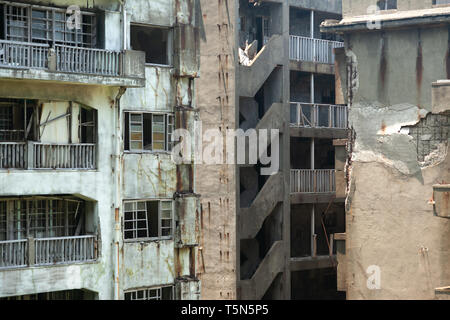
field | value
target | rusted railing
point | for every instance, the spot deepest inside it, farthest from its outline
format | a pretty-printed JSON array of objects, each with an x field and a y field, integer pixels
[
  {"x": 310, "y": 49},
  {"x": 313, "y": 181},
  {"x": 13, "y": 155},
  {"x": 87, "y": 60},
  {"x": 13, "y": 253},
  {"x": 65, "y": 250},
  {"x": 64, "y": 156},
  {"x": 319, "y": 115},
  {"x": 15, "y": 54}
]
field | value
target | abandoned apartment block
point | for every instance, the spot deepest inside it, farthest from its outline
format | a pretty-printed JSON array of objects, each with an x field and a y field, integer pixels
[{"x": 91, "y": 204}]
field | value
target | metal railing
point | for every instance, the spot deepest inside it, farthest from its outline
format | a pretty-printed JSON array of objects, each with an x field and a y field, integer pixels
[
  {"x": 15, "y": 54},
  {"x": 69, "y": 59},
  {"x": 13, "y": 155},
  {"x": 47, "y": 251},
  {"x": 319, "y": 115},
  {"x": 13, "y": 253},
  {"x": 37, "y": 155},
  {"x": 64, "y": 156},
  {"x": 313, "y": 181},
  {"x": 311, "y": 49},
  {"x": 65, "y": 250},
  {"x": 87, "y": 60}
]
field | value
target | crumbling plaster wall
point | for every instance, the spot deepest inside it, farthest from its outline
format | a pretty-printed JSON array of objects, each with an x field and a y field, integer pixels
[
  {"x": 96, "y": 185},
  {"x": 390, "y": 221}
]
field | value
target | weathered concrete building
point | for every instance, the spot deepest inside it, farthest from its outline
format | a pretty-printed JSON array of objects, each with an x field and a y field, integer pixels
[
  {"x": 393, "y": 73},
  {"x": 266, "y": 65},
  {"x": 91, "y": 204}
]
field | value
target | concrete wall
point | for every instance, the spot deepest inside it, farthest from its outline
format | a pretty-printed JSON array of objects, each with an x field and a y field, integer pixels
[
  {"x": 217, "y": 109},
  {"x": 390, "y": 220}
]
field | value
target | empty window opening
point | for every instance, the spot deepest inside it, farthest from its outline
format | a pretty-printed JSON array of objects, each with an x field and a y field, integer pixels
[
  {"x": 88, "y": 125},
  {"x": 148, "y": 219},
  {"x": 387, "y": 4},
  {"x": 17, "y": 120},
  {"x": 155, "y": 42},
  {"x": 161, "y": 293},
  {"x": 148, "y": 132},
  {"x": 29, "y": 23},
  {"x": 41, "y": 217}
]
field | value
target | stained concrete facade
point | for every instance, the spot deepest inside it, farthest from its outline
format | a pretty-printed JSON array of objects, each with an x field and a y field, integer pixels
[
  {"x": 120, "y": 267},
  {"x": 394, "y": 80}
]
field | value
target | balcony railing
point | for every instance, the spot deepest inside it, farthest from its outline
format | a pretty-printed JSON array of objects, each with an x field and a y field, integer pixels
[
  {"x": 314, "y": 50},
  {"x": 86, "y": 60},
  {"x": 47, "y": 251},
  {"x": 319, "y": 115},
  {"x": 64, "y": 156},
  {"x": 15, "y": 54},
  {"x": 13, "y": 253},
  {"x": 67, "y": 59},
  {"x": 313, "y": 181},
  {"x": 35, "y": 155},
  {"x": 65, "y": 250}
]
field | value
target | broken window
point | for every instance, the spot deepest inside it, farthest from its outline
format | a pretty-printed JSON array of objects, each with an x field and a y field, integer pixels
[
  {"x": 148, "y": 219},
  {"x": 387, "y": 4},
  {"x": 161, "y": 293},
  {"x": 148, "y": 131},
  {"x": 155, "y": 42},
  {"x": 29, "y": 23},
  {"x": 41, "y": 217}
]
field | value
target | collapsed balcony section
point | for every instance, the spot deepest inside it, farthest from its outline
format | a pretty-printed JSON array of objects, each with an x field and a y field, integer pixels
[
  {"x": 47, "y": 230},
  {"x": 48, "y": 135},
  {"x": 39, "y": 42}
]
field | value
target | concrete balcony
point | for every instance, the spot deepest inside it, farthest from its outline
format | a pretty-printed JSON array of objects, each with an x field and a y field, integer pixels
[
  {"x": 319, "y": 120},
  {"x": 35, "y": 155},
  {"x": 35, "y": 61},
  {"x": 47, "y": 251}
]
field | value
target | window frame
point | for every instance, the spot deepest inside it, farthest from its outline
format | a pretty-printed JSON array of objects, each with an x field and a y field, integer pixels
[
  {"x": 146, "y": 290},
  {"x": 160, "y": 227},
  {"x": 169, "y": 127},
  {"x": 48, "y": 25}
]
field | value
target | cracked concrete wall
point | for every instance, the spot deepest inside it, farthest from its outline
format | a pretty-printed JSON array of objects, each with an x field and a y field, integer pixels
[{"x": 389, "y": 213}]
